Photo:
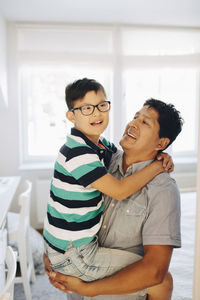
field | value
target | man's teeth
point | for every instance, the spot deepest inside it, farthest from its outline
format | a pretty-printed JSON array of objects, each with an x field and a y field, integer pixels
[{"x": 129, "y": 134}]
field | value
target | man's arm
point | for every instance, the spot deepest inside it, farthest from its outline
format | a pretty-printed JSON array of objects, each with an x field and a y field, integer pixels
[{"x": 147, "y": 272}]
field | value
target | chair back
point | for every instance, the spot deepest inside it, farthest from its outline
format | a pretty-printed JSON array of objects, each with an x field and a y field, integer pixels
[
  {"x": 18, "y": 231},
  {"x": 7, "y": 292},
  {"x": 24, "y": 203}
]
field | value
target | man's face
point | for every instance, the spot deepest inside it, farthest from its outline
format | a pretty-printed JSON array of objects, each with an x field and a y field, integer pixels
[
  {"x": 94, "y": 124},
  {"x": 142, "y": 133}
]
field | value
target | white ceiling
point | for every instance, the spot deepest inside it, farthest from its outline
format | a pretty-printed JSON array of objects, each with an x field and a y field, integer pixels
[{"x": 157, "y": 12}]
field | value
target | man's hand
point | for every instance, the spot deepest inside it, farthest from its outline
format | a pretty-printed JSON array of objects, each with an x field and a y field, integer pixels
[
  {"x": 48, "y": 270},
  {"x": 47, "y": 266},
  {"x": 68, "y": 284},
  {"x": 167, "y": 161},
  {"x": 63, "y": 282}
]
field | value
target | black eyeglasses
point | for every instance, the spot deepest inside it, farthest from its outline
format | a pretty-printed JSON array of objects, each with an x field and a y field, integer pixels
[{"x": 88, "y": 109}]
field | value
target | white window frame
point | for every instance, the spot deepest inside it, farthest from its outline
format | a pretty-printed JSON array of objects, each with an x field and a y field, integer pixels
[{"x": 117, "y": 62}]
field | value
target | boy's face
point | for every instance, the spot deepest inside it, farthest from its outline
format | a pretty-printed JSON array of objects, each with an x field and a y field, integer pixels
[{"x": 93, "y": 125}]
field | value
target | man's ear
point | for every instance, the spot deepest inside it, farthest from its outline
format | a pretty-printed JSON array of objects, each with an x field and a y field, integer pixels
[
  {"x": 70, "y": 116},
  {"x": 163, "y": 143}
]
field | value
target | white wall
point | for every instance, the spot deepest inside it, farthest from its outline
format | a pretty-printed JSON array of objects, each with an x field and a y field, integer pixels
[
  {"x": 10, "y": 128},
  {"x": 3, "y": 65}
]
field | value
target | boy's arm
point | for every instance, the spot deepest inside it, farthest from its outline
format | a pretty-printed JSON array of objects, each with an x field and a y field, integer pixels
[
  {"x": 121, "y": 189},
  {"x": 147, "y": 272},
  {"x": 168, "y": 163}
]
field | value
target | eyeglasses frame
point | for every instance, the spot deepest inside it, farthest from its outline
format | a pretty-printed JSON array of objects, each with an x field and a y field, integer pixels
[{"x": 94, "y": 106}]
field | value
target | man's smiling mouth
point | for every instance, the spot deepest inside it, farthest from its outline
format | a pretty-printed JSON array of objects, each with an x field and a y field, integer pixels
[{"x": 131, "y": 134}]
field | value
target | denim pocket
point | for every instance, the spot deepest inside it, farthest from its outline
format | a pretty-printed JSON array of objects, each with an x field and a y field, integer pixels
[{"x": 67, "y": 263}]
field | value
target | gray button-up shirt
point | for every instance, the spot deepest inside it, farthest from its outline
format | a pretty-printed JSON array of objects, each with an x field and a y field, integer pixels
[{"x": 148, "y": 217}]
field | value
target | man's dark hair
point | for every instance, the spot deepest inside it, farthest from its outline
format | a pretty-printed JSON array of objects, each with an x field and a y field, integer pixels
[
  {"x": 78, "y": 89},
  {"x": 169, "y": 119}
]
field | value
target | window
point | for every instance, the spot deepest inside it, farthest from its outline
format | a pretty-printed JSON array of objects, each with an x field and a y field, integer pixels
[
  {"x": 50, "y": 58},
  {"x": 133, "y": 63},
  {"x": 163, "y": 63},
  {"x": 177, "y": 86},
  {"x": 46, "y": 123}
]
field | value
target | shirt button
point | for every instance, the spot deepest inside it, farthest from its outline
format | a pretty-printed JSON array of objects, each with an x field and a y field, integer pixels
[
  {"x": 101, "y": 151},
  {"x": 112, "y": 204},
  {"x": 128, "y": 211},
  {"x": 104, "y": 226}
]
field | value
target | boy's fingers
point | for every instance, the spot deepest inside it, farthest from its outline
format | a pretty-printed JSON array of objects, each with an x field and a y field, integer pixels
[
  {"x": 170, "y": 165},
  {"x": 170, "y": 169},
  {"x": 159, "y": 157}
]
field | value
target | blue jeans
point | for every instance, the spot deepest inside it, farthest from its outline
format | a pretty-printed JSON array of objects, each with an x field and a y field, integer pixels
[{"x": 90, "y": 262}]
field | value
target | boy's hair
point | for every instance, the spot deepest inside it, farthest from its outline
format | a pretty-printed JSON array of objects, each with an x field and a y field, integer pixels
[
  {"x": 169, "y": 119},
  {"x": 78, "y": 89}
]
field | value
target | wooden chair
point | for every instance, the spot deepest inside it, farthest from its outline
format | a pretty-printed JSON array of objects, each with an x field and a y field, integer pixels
[
  {"x": 18, "y": 231},
  {"x": 7, "y": 292}
]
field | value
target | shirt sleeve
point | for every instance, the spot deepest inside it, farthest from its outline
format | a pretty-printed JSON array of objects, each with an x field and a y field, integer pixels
[
  {"x": 162, "y": 225},
  {"x": 85, "y": 167}
]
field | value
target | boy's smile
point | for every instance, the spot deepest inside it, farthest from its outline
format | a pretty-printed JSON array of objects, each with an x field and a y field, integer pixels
[
  {"x": 92, "y": 125},
  {"x": 97, "y": 123}
]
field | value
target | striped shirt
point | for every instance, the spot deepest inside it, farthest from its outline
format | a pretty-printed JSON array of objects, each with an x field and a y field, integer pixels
[{"x": 74, "y": 208}]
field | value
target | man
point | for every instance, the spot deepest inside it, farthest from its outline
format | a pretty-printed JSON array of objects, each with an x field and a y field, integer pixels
[{"x": 148, "y": 222}]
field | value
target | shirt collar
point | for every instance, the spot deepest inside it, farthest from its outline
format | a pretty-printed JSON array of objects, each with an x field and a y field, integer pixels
[
  {"x": 94, "y": 146},
  {"x": 135, "y": 167}
]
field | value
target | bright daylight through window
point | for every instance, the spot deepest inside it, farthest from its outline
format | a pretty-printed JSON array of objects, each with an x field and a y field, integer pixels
[
  {"x": 170, "y": 85},
  {"x": 47, "y": 125},
  {"x": 143, "y": 62}
]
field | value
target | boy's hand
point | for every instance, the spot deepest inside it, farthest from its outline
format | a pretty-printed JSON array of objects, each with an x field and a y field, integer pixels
[{"x": 167, "y": 161}]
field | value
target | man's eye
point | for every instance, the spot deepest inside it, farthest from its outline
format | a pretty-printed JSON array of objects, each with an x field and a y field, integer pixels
[{"x": 145, "y": 122}]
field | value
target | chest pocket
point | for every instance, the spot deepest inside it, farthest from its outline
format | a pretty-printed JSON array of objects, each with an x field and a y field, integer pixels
[
  {"x": 129, "y": 221},
  {"x": 134, "y": 210}
]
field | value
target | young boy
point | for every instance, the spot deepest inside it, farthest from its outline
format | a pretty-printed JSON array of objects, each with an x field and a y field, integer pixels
[{"x": 75, "y": 206}]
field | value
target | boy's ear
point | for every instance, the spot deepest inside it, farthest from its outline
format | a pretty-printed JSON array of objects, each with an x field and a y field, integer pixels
[
  {"x": 163, "y": 143},
  {"x": 70, "y": 116}
]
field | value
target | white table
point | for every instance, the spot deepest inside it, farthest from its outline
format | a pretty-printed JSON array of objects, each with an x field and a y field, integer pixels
[{"x": 8, "y": 187}]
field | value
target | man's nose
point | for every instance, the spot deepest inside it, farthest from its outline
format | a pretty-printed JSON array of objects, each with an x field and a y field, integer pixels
[{"x": 134, "y": 123}]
